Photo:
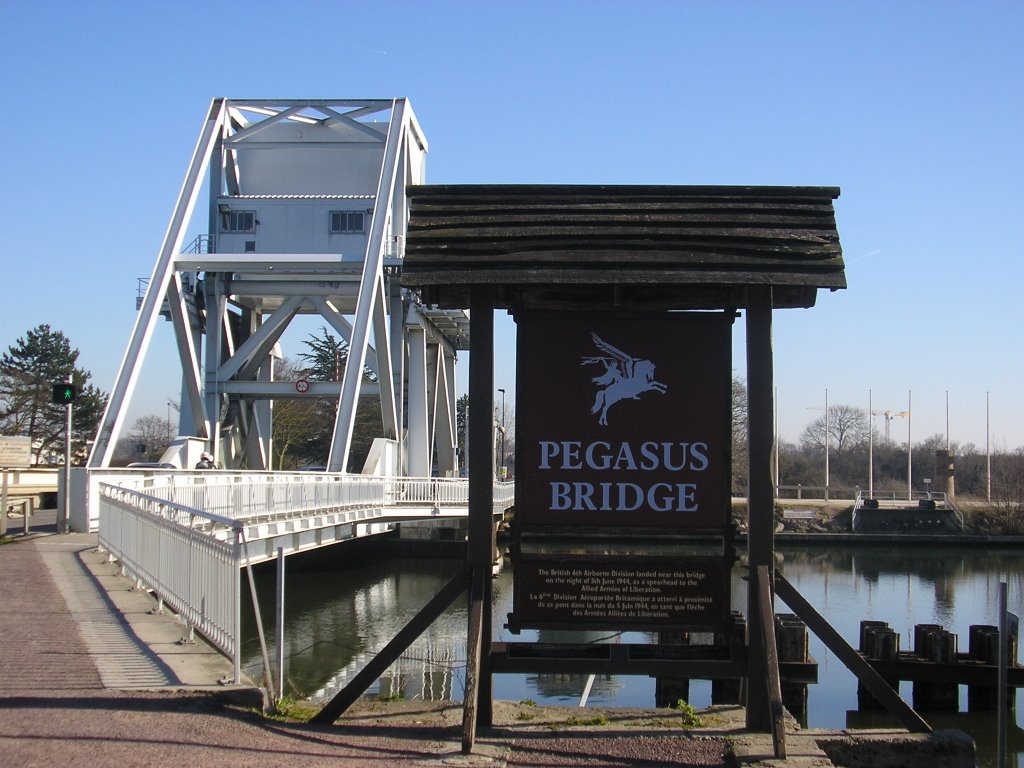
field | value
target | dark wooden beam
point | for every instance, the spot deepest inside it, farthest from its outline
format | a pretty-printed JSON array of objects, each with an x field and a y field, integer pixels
[
  {"x": 845, "y": 652},
  {"x": 477, "y": 704},
  {"x": 771, "y": 654},
  {"x": 760, "y": 491},
  {"x": 377, "y": 666}
]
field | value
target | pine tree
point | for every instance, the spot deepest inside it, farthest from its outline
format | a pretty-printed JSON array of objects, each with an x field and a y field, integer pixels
[
  {"x": 28, "y": 369},
  {"x": 326, "y": 361}
]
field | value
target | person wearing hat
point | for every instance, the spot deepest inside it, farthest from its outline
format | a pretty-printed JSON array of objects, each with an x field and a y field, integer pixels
[{"x": 205, "y": 461}]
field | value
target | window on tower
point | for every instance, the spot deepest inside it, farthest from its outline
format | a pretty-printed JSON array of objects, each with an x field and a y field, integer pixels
[{"x": 347, "y": 222}]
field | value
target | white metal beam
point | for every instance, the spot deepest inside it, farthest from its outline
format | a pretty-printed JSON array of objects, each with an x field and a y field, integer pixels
[
  {"x": 372, "y": 272},
  {"x": 418, "y": 440},
  {"x": 188, "y": 355},
  {"x": 258, "y": 345},
  {"x": 256, "y": 128},
  {"x": 382, "y": 339},
  {"x": 338, "y": 321},
  {"x": 128, "y": 373}
]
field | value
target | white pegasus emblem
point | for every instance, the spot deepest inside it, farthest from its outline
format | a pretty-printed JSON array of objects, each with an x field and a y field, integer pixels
[{"x": 624, "y": 377}]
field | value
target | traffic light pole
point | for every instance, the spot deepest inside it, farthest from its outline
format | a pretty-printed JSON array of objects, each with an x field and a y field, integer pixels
[{"x": 65, "y": 510}]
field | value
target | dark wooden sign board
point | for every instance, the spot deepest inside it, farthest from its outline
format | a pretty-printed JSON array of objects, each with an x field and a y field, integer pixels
[
  {"x": 623, "y": 429},
  {"x": 623, "y": 421}
]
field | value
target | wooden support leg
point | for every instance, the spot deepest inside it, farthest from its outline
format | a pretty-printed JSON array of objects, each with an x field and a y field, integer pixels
[
  {"x": 477, "y": 702},
  {"x": 771, "y": 661},
  {"x": 474, "y": 646}
]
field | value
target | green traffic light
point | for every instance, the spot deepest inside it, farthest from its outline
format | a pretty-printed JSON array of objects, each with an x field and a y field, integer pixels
[{"x": 64, "y": 394}]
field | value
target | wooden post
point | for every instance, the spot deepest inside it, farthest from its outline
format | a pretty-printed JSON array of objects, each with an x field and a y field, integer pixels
[
  {"x": 769, "y": 648},
  {"x": 668, "y": 690},
  {"x": 729, "y": 691},
  {"x": 933, "y": 643},
  {"x": 877, "y": 641},
  {"x": 760, "y": 493},
  {"x": 791, "y": 634},
  {"x": 477, "y": 704}
]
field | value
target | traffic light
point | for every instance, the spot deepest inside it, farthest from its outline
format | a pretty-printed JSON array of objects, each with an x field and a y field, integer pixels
[{"x": 64, "y": 394}]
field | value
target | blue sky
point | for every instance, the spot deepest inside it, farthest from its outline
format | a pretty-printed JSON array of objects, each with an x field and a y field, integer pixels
[{"x": 914, "y": 109}]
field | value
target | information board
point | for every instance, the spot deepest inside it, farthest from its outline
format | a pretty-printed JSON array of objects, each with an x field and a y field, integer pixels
[
  {"x": 636, "y": 593},
  {"x": 15, "y": 452}
]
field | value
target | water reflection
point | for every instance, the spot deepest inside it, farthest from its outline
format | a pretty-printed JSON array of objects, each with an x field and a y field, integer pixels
[{"x": 336, "y": 619}]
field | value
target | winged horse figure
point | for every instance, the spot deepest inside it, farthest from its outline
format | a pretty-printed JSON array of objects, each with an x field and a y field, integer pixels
[{"x": 624, "y": 377}]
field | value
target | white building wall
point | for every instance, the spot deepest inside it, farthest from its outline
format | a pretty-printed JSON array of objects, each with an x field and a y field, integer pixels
[{"x": 292, "y": 225}]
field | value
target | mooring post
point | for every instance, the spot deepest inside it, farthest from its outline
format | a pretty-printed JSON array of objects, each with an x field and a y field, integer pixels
[
  {"x": 935, "y": 644},
  {"x": 880, "y": 642},
  {"x": 760, "y": 493},
  {"x": 791, "y": 635},
  {"x": 729, "y": 691}
]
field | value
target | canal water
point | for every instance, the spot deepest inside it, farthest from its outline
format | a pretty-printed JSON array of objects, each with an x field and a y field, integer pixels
[{"x": 337, "y": 616}]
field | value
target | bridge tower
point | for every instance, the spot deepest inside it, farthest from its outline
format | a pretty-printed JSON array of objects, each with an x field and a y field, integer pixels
[{"x": 306, "y": 215}]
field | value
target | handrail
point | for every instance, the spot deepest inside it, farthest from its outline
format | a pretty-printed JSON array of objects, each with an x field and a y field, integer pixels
[{"x": 181, "y": 533}]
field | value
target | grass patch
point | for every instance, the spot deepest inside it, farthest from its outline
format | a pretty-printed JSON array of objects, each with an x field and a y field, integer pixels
[
  {"x": 292, "y": 711},
  {"x": 596, "y": 720},
  {"x": 688, "y": 715}
]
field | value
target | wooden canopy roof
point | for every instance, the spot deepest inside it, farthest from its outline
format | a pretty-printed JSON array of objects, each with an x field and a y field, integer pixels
[{"x": 634, "y": 247}]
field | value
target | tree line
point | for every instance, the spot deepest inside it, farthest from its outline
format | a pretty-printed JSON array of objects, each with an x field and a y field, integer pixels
[
  {"x": 853, "y": 445},
  {"x": 303, "y": 428}
]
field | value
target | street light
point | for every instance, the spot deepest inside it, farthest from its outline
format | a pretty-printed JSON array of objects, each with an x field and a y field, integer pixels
[{"x": 501, "y": 464}]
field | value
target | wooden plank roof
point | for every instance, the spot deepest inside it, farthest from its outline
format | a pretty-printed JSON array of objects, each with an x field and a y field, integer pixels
[{"x": 641, "y": 247}]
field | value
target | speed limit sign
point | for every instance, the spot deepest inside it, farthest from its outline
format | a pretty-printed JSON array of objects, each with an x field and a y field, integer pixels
[{"x": 302, "y": 385}]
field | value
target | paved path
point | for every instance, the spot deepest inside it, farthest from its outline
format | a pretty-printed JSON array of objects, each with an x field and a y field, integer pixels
[{"x": 90, "y": 676}]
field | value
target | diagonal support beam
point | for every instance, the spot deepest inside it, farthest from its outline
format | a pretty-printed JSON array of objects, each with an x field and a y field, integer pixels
[
  {"x": 344, "y": 328},
  {"x": 368, "y": 292},
  {"x": 377, "y": 666},
  {"x": 864, "y": 672},
  {"x": 188, "y": 354},
  {"x": 262, "y": 125},
  {"x": 382, "y": 339},
  {"x": 259, "y": 343},
  {"x": 128, "y": 373}
]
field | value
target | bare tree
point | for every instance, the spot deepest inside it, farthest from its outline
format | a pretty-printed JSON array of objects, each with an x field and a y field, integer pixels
[
  {"x": 149, "y": 437},
  {"x": 296, "y": 421},
  {"x": 847, "y": 428}
]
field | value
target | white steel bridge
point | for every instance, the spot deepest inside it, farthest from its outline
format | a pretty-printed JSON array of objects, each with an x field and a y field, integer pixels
[{"x": 188, "y": 535}]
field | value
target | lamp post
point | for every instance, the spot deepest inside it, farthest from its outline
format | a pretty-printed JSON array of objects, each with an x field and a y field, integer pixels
[{"x": 501, "y": 464}]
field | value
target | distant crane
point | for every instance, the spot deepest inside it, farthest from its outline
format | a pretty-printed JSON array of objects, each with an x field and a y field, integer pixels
[{"x": 889, "y": 416}]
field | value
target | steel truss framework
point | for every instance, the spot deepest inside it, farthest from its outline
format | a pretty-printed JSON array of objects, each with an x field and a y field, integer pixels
[{"x": 227, "y": 328}]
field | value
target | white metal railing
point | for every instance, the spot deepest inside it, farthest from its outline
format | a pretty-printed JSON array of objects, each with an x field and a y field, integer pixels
[
  {"x": 167, "y": 547},
  {"x": 256, "y": 497},
  {"x": 182, "y": 534},
  {"x": 260, "y": 497}
]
